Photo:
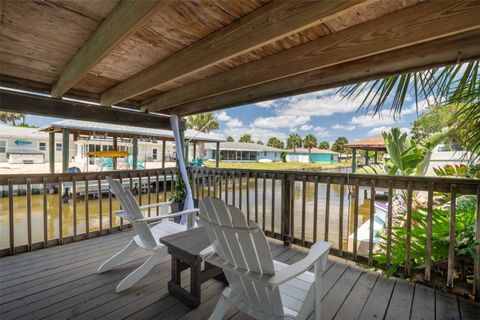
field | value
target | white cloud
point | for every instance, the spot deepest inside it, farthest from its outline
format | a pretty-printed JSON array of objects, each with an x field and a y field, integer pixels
[
  {"x": 321, "y": 132},
  {"x": 383, "y": 118},
  {"x": 306, "y": 127},
  {"x": 266, "y": 104},
  {"x": 379, "y": 130},
  {"x": 234, "y": 123},
  {"x": 343, "y": 127},
  {"x": 256, "y": 133},
  {"x": 223, "y": 116},
  {"x": 281, "y": 122}
]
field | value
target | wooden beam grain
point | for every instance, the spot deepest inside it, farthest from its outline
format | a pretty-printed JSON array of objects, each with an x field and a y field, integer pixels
[
  {"x": 44, "y": 106},
  {"x": 269, "y": 23},
  {"x": 423, "y": 56},
  {"x": 126, "y": 18},
  {"x": 417, "y": 24}
]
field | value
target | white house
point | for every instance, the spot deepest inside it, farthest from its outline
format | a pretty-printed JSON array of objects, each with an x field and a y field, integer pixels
[
  {"x": 312, "y": 155},
  {"x": 243, "y": 152}
]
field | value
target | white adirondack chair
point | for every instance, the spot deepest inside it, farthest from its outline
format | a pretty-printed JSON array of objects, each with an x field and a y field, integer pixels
[
  {"x": 147, "y": 238},
  {"x": 258, "y": 285}
]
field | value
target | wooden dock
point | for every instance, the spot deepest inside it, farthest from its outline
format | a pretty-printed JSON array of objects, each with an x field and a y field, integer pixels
[{"x": 61, "y": 283}]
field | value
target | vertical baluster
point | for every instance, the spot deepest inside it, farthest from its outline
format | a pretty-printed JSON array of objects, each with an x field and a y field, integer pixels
[
  {"x": 372, "y": 211},
  {"x": 74, "y": 200},
  {"x": 233, "y": 188},
  {"x": 172, "y": 180},
  {"x": 264, "y": 200},
  {"x": 203, "y": 183},
  {"x": 408, "y": 226},
  {"x": 87, "y": 218},
  {"x": 45, "y": 213},
  {"x": 451, "y": 247},
  {"x": 209, "y": 183},
  {"x": 476, "y": 266},
  {"x": 340, "y": 217},
  {"x": 389, "y": 222},
  {"x": 60, "y": 213},
  {"x": 29, "y": 213},
  {"x": 157, "y": 192},
  {"x": 100, "y": 215},
  {"x": 164, "y": 185},
  {"x": 327, "y": 210},
  {"x": 240, "y": 191},
  {"x": 214, "y": 175},
  {"x": 110, "y": 211},
  {"x": 11, "y": 219},
  {"x": 428, "y": 242},
  {"x": 272, "y": 223},
  {"x": 304, "y": 200},
  {"x": 247, "y": 178},
  {"x": 197, "y": 182},
  {"x": 121, "y": 220},
  {"x": 355, "y": 218},
  {"x": 139, "y": 189},
  {"x": 149, "y": 192},
  {"x": 315, "y": 208},
  {"x": 291, "y": 209},
  {"x": 256, "y": 197},
  {"x": 220, "y": 183},
  {"x": 226, "y": 187}
]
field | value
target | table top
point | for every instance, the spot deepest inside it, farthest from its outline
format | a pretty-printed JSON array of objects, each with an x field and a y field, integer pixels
[{"x": 192, "y": 241}]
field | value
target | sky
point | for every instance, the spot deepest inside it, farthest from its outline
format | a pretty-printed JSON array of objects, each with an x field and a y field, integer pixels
[{"x": 323, "y": 113}]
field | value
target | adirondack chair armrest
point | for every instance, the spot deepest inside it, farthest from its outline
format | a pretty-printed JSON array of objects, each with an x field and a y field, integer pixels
[
  {"x": 154, "y": 205},
  {"x": 123, "y": 215},
  {"x": 167, "y": 216},
  {"x": 316, "y": 252}
]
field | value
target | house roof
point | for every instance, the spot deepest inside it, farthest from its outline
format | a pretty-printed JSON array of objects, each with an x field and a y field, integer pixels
[
  {"x": 374, "y": 143},
  {"x": 312, "y": 151},
  {"x": 97, "y": 128},
  {"x": 186, "y": 57},
  {"x": 242, "y": 146}
]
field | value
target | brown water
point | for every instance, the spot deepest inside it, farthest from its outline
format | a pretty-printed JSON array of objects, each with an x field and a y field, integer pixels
[{"x": 20, "y": 212}]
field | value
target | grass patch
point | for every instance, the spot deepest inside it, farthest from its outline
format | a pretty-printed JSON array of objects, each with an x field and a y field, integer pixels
[{"x": 275, "y": 165}]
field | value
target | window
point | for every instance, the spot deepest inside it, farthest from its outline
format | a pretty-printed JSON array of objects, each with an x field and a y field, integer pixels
[
  {"x": 58, "y": 147},
  {"x": 154, "y": 153},
  {"x": 3, "y": 146},
  {"x": 253, "y": 156},
  {"x": 107, "y": 148},
  {"x": 42, "y": 146}
]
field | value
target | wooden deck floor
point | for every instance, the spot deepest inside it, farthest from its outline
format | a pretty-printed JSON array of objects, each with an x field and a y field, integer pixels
[{"x": 61, "y": 283}]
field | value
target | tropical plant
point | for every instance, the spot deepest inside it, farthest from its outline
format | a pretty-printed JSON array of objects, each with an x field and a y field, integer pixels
[
  {"x": 309, "y": 142},
  {"x": 448, "y": 85},
  {"x": 324, "y": 145},
  {"x": 283, "y": 155},
  {"x": 11, "y": 117},
  {"x": 246, "y": 138},
  {"x": 230, "y": 139},
  {"x": 179, "y": 191},
  {"x": 294, "y": 141},
  {"x": 338, "y": 145},
  {"x": 203, "y": 122},
  {"x": 458, "y": 170},
  {"x": 464, "y": 236},
  {"x": 275, "y": 143},
  {"x": 260, "y": 142}
]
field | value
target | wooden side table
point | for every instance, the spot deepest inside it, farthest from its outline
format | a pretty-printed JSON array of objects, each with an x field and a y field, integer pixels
[{"x": 185, "y": 248}]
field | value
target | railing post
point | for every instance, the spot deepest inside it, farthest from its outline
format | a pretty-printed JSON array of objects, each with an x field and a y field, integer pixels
[{"x": 285, "y": 220}]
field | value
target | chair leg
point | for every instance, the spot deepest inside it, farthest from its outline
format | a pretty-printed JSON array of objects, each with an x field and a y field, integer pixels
[
  {"x": 117, "y": 258},
  {"x": 141, "y": 271},
  {"x": 220, "y": 309}
]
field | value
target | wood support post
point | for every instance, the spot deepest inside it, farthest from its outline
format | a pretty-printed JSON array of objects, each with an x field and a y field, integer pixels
[
  {"x": 135, "y": 154},
  {"x": 288, "y": 185},
  {"x": 354, "y": 160},
  {"x": 182, "y": 145},
  {"x": 185, "y": 155},
  {"x": 217, "y": 155},
  {"x": 163, "y": 152},
  {"x": 194, "y": 156},
  {"x": 366, "y": 157},
  {"x": 115, "y": 148},
  {"x": 51, "y": 151},
  {"x": 65, "y": 150}
]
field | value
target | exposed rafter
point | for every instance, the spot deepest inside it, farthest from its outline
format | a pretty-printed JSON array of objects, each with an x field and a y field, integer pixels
[
  {"x": 435, "y": 53},
  {"x": 271, "y": 22},
  {"x": 421, "y": 23},
  {"x": 122, "y": 22},
  {"x": 45, "y": 106}
]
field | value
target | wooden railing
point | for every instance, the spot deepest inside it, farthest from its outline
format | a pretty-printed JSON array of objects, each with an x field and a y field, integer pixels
[{"x": 293, "y": 206}]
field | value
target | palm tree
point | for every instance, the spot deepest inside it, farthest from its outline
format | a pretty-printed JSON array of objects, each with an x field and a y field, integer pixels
[
  {"x": 324, "y": 145},
  {"x": 294, "y": 141},
  {"x": 275, "y": 143},
  {"x": 453, "y": 84},
  {"x": 230, "y": 139},
  {"x": 246, "y": 138},
  {"x": 203, "y": 122},
  {"x": 11, "y": 117},
  {"x": 309, "y": 142}
]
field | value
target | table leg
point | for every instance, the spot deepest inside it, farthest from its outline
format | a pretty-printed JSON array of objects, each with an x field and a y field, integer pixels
[
  {"x": 195, "y": 283},
  {"x": 176, "y": 271}
]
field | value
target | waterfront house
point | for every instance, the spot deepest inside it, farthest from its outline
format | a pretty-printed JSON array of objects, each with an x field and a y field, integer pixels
[
  {"x": 244, "y": 152},
  {"x": 313, "y": 155}
]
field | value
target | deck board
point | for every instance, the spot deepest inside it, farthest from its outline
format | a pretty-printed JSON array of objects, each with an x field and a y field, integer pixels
[{"x": 61, "y": 282}]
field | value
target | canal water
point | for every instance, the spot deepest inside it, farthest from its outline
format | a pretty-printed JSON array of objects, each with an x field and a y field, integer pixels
[{"x": 264, "y": 209}]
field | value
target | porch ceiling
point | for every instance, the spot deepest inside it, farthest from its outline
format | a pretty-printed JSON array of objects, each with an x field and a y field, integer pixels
[{"x": 187, "y": 57}]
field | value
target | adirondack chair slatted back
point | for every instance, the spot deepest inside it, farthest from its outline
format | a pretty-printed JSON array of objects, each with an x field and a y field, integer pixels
[
  {"x": 245, "y": 247},
  {"x": 132, "y": 210}
]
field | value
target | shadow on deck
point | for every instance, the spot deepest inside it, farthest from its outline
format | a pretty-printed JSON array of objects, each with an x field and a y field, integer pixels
[{"x": 61, "y": 283}]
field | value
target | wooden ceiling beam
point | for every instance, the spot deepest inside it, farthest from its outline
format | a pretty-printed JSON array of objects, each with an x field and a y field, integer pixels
[
  {"x": 441, "y": 52},
  {"x": 126, "y": 18},
  {"x": 420, "y": 23},
  {"x": 265, "y": 25},
  {"x": 12, "y": 101}
]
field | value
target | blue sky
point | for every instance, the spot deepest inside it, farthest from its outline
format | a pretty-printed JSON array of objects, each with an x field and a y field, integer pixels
[{"x": 322, "y": 113}]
